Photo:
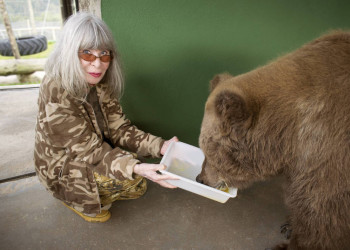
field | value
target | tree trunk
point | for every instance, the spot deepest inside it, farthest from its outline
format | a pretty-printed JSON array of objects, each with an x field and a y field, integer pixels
[
  {"x": 9, "y": 31},
  {"x": 21, "y": 66}
]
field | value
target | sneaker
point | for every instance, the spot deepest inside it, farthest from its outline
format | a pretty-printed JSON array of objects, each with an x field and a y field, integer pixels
[{"x": 101, "y": 217}]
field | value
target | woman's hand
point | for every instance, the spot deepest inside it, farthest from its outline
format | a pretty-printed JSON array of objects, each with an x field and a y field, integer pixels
[
  {"x": 149, "y": 171},
  {"x": 166, "y": 144}
]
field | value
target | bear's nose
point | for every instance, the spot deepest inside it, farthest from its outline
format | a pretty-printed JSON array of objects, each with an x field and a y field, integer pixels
[{"x": 198, "y": 179}]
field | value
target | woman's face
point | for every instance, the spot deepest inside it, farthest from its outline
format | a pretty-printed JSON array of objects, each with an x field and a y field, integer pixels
[{"x": 95, "y": 64}]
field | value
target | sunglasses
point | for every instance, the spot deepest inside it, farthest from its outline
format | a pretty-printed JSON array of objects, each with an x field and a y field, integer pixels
[{"x": 91, "y": 57}]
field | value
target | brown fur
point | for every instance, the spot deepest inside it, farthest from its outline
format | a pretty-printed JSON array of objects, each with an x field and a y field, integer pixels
[{"x": 291, "y": 116}]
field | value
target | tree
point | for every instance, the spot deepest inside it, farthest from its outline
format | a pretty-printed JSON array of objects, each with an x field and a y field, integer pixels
[{"x": 9, "y": 30}]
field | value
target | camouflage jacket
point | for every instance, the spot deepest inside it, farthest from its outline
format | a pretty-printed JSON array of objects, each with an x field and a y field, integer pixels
[{"x": 69, "y": 146}]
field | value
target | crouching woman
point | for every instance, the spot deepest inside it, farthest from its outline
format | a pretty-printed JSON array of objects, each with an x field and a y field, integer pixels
[{"x": 85, "y": 149}]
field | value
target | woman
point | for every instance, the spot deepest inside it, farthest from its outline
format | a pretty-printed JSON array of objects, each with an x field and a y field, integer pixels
[{"x": 82, "y": 134}]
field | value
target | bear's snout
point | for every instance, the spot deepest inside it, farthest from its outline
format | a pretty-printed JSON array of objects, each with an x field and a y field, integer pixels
[
  {"x": 199, "y": 179},
  {"x": 207, "y": 176}
]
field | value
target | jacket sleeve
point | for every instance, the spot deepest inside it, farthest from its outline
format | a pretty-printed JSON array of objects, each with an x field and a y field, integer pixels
[
  {"x": 68, "y": 129},
  {"x": 128, "y": 136}
]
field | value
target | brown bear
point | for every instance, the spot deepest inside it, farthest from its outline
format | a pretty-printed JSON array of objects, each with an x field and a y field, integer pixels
[{"x": 290, "y": 117}]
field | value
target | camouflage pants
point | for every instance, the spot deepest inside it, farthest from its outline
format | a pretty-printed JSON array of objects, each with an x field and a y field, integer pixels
[{"x": 111, "y": 190}]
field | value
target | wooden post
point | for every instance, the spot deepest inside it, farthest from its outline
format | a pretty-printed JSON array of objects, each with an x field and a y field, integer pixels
[
  {"x": 9, "y": 31},
  {"x": 31, "y": 16},
  {"x": 66, "y": 9}
]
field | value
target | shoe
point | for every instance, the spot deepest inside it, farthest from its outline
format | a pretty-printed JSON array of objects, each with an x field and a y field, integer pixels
[{"x": 101, "y": 217}]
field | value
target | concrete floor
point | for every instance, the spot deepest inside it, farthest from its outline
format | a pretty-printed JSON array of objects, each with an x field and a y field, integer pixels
[
  {"x": 161, "y": 219},
  {"x": 18, "y": 110}
]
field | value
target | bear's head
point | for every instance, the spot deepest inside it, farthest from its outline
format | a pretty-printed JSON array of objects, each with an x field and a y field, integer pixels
[{"x": 229, "y": 113}]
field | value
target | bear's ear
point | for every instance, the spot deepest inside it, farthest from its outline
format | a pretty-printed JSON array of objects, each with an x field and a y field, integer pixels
[
  {"x": 232, "y": 108},
  {"x": 219, "y": 78}
]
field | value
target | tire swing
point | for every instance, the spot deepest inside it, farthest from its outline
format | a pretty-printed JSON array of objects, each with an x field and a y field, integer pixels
[{"x": 26, "y": 45}]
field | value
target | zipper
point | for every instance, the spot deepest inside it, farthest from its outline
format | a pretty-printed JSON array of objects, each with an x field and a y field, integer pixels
[
  {"x": 100, "y": 98},
  {"x": 94, "y": 120}
]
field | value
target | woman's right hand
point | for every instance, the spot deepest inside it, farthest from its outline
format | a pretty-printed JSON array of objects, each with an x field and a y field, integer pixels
[{"x": 149, "y": 171}]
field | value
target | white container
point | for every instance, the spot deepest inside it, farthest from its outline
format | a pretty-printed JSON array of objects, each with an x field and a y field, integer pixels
[{"x": 184, "y": 162}]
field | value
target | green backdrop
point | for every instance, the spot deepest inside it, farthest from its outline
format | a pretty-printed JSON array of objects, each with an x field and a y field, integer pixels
[{"x": 171, "y": 50}]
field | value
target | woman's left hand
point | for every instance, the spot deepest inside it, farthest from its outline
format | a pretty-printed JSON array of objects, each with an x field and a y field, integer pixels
[
  {"x": 167, "y": 143},
  {"x": 151, "y": 172}
]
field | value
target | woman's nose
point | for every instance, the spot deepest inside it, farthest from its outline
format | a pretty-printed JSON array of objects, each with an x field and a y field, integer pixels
[{"x": 97, "y": 62}]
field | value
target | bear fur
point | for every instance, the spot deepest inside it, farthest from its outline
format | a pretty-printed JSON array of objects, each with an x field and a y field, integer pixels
[{"x": 290, "y": 117}]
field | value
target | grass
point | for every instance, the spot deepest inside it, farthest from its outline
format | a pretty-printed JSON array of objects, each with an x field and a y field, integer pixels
[{"x": 18, "y": 83}]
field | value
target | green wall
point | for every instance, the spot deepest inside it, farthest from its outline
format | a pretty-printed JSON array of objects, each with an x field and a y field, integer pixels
[{"x": 171, "y": 49}]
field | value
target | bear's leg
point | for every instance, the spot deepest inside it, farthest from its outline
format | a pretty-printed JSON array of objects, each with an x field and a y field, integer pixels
[
  {"x": 286, "y": 230},
  {"x": 295, "y": 244},
  {"x": 282, "y": 246}
]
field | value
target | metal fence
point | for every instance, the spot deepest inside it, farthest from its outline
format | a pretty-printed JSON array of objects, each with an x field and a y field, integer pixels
[{"x": 51, "y": 32}]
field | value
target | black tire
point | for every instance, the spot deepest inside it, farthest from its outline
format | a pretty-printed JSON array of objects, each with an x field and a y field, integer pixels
[{"x": 27, "y": 45}]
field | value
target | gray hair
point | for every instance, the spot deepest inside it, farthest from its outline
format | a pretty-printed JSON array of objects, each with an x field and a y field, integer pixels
[{"x": 83, "y": 31}]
